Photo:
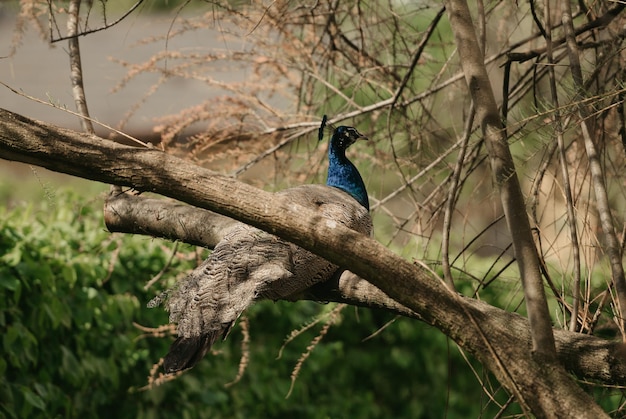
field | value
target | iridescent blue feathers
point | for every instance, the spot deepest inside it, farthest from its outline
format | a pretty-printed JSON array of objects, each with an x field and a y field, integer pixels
[{"x": 342, "y": 174}]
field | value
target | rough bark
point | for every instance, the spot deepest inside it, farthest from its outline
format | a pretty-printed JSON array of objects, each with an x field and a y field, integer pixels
[
  {"x": 126, "y": 213},
  {"x": 500, "y": 340}
]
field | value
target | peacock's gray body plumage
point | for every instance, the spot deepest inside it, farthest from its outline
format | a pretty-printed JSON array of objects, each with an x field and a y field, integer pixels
[{"x": 249, "y": 264}]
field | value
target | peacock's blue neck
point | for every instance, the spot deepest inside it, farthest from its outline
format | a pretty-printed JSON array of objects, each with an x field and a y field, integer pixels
[{"x": 342, "y": 174}]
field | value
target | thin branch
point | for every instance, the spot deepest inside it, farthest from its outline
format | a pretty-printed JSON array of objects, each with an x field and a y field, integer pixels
[
  {"x": 93, "y": 121},
  {"x": 76, "y": 68},
  {"x": 612, "y": 245},
  {"x": 567, "y": 188},
  {"x": 452, "y": 198},
  {"x": 418, "y": 53},
  {"x": 421, "y": 173},
  {"x": 90, "y": 31},
  {"x": 164, "y": 269}
]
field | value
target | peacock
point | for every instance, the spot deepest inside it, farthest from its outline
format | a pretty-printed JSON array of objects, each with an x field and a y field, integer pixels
[{"x": 249, "y": 264}]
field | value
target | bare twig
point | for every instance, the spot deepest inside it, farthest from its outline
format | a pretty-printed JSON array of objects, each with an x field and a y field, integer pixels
[
  {"x": 164, "y": 269},
  {"x": 244, "y": 325},
  {"x": 452, "y": 197},
  {"x": 106, "y": 25},
  {"x": 108, "y": 127},
  {"x": 567, "y": 189},
  {"x": 612, "y": 246}
]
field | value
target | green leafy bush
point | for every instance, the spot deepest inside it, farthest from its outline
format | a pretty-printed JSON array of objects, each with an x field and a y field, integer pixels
[{"x": 70, "y": 293}]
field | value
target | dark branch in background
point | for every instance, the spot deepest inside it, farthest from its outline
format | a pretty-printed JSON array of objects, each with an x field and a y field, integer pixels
[
  {"x": 533, "y": 11},
  {"x": 417, "y": 55},
  {"x": 567, "y": 188},
  {"x": 620, "y": 111},
  {"x": 506, "y": 79}
]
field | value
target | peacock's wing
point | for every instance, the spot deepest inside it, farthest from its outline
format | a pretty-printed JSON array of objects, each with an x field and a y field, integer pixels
[
  {"x": 208, "y": 301},
  {"x": 249, "y": 264},
  {"x": 308, "y": 268}
]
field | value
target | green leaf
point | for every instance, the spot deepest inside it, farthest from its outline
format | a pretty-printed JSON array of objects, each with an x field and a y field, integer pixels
[
  {"x": 69, "y": 275},
  {"x": 14, "y": 256},
  {"x": 33, "y": 399},
  {"x": 9, "y": 282},
  {"x": 70, "y": 367}
]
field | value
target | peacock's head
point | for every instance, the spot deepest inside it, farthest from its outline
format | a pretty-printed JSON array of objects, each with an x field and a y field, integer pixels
[{"x": 343, "y": 136}]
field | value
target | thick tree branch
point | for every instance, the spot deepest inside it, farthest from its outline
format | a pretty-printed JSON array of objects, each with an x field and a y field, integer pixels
[
  {"x": 126, "y": 213},
  {"x": 587, "y": 357},
  {"x": 490, "y": 334}
]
